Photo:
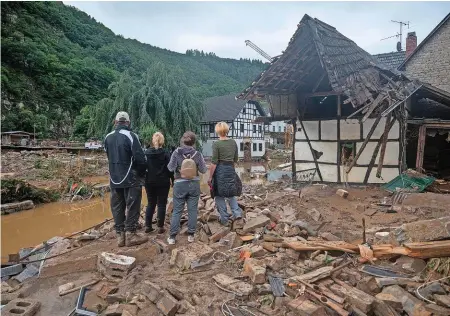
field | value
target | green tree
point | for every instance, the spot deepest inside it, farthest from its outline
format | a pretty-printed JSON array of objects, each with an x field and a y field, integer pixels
[{"x": 158, "y": 101}]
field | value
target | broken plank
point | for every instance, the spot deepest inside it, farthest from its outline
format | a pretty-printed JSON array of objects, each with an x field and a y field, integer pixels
[
  {"x": 378, "y": 100},
  {"x": 329, "y": 245}
]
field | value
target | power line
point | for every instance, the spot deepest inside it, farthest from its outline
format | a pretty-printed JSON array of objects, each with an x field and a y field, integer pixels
[{"x": 399, "y": 34}]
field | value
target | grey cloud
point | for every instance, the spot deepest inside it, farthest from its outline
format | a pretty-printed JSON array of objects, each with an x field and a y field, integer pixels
[{"x": 222, "y": 27}]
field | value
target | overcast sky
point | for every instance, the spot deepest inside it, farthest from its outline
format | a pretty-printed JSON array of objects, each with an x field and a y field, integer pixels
[{"x": 222, "y": 27}]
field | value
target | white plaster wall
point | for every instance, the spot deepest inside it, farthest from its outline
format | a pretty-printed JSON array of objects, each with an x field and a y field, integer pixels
[
  {"x": 329, "y": 129},
  {"x": 394, "y": 133},
  {"x": 329, "y": 173},
  {"x": 302, "y": 151},
  {"x": 350, "y": 130},
  {"x": 357, "y": 175},
  {"x": 312, "y": 129},
  {"x": 390, "y": 156}
]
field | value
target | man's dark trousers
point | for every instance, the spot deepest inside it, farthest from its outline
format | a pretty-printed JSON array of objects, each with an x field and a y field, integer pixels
[{"x": 123, "y": 199}]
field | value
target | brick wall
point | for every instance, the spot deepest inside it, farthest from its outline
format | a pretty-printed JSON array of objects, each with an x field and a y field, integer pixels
[{"x": 431, "y": 64}]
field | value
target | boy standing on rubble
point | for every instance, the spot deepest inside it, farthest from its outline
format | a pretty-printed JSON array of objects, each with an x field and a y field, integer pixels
[
  {"x": 127, "y": 167},
  {"x": 186, "y": 162}
]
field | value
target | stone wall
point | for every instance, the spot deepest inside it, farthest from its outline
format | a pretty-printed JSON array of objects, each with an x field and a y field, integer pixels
[{"x": 431, "y": 63}]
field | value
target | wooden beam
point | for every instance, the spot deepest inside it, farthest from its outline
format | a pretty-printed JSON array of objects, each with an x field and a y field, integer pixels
[
  {"x": 375, "y": 153},
  {"x": 421, "y": 147},
  {"x": 383, "y": 141},
  {"x": 293, "y": 163},
  {"x": 312, "y": 151},
  {"x": 378, "y": 100},
  {"x": 375, "y": 124}
]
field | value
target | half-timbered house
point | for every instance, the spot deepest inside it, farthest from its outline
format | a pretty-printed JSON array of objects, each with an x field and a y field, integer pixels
[
  {"x": 240, "y": 116},
  {"x": 351, "y": 113}
]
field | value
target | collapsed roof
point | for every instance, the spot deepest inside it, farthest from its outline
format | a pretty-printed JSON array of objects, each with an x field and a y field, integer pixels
[{"x": 320, "y": 59}]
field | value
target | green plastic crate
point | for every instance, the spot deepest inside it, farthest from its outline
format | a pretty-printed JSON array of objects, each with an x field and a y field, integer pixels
[{"x": 409, "y": 183}]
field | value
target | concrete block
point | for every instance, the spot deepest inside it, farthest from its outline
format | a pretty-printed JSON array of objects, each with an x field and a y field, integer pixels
[
  {"x": 361, "y": 208},
  {"x": 342, "y": 193},
  {"x": 232, "y": 240},
  {"x": 255, "y": 223},
  {"x": 20, "y": 306},
  {"x": 167, "y": 304},
  {"x": 54, "y": 268},
  {"x": 152, "y": 291},
  {"x": 117, "y": 262},
  {"x": 255, "y": 270},
  {"x": 219, "y": 234},
  {"x": 304, "y": 307},
  {"x": 183, "y": 258},
  {"x": 8, "y": 297}
]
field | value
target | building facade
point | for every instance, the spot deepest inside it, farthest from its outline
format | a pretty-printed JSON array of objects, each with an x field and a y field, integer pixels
[
  {"x": 430, "y": 61},
  {"x": 240, "y": 116},
  {"x": 351, "y": 114}
]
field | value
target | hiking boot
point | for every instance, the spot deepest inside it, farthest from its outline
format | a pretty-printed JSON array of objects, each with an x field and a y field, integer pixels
[
  {"x": 134, "y": 239},
  {"x": 149, "y": 229},
  {"x": 161, "y": 230},
  {"x": 120, "y": 239}
]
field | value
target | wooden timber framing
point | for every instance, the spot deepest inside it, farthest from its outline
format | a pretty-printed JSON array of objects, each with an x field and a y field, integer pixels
[
  {"x": 421, "y": 147},
  {"x": 339, "y": 152},
  {"x": 383, "y": 141},
  {"x": 377, "y": 148},
  {"x": 369, "y": 135},
  {"x": 293, "y": 163},
  {"x": 422, "y": 140}
]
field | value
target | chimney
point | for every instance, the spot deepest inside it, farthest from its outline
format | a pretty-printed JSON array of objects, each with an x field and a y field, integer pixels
[{"x": 411, "y": 43}]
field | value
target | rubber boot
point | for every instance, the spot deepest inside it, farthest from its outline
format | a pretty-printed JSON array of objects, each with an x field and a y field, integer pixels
[
  {"x": 120, "y": 239},
  {"x": 134, "y": 239}
]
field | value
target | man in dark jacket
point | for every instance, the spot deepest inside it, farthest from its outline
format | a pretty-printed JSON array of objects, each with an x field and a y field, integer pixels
[{"x": 127, "y": 167}]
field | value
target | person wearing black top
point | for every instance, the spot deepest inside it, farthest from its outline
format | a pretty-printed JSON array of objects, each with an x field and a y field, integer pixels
[{"x": 157, "y": 182}]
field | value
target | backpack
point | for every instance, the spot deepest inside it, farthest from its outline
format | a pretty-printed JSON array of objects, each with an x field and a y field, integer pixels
[{"x": 188, "y": 168}]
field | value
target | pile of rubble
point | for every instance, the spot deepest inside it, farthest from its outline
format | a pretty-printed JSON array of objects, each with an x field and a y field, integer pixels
[{"x": 274, "y": 261}]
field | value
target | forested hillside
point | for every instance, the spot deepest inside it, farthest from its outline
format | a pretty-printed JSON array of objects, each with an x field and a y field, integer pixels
[{"x": 57, "y": 60}]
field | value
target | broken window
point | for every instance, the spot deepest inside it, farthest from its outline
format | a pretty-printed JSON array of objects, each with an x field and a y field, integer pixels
[
  {"x": 260, "y": 146},
  {"x": 347, "y": 153},
  {"x": 242, "y": 146}
]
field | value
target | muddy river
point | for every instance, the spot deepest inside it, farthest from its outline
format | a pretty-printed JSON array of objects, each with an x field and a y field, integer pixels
[{"x": 30, "y": 228}]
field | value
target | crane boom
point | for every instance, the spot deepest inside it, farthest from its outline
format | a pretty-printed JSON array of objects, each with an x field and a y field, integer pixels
[{"x": 258, "y": 50}]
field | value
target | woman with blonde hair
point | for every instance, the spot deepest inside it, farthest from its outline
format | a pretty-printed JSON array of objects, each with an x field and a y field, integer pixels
[
  {"x": 157, "y": 182},
  {"x": 223, "y": 178}
]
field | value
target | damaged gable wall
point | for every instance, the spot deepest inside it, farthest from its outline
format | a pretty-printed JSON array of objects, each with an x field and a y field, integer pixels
[{"x": 327, "y": 138}]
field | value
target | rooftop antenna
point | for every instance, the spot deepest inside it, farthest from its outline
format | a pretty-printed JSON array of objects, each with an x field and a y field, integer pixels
[
  {"x": 258, "y": 50},
  {"x": 399, "y": 35}
]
